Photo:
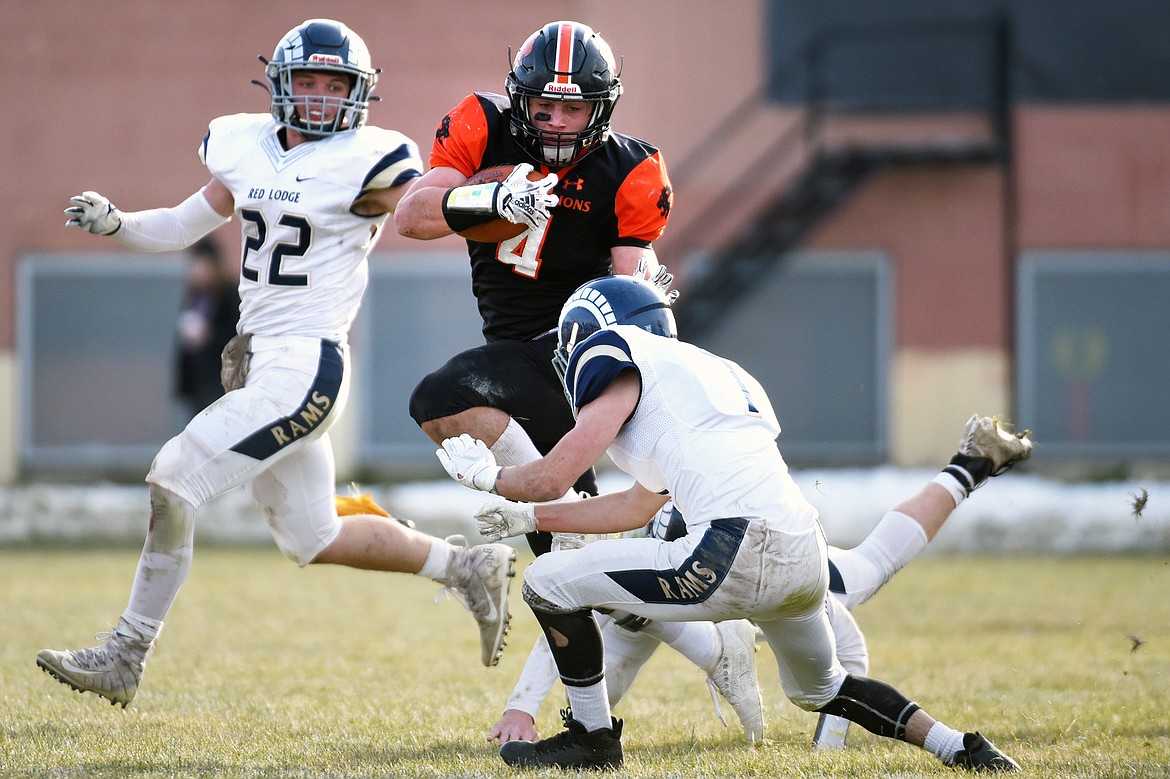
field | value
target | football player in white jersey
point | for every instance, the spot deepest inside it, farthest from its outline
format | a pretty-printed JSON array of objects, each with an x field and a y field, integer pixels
[
  {"x": 312, "y": 186},
  {"x": 856, "y": 574},
  {"x": 696, "y": 428}
]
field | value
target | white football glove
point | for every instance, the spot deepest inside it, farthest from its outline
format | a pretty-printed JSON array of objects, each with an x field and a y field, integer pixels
[
  {"x": 469, "y": 462},
  {"x": 93, "y": 212},
  {"x": 662, "y": 279},
  {"x": 505, "y": 518},
  {"x": 525, "y": 202}
]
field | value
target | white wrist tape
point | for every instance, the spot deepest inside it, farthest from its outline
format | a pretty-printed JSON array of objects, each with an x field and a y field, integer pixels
[
  {"x": 949, "y": 481},
  {"x": 475, "y": 199},
  {"x": 169, "y": 229}
]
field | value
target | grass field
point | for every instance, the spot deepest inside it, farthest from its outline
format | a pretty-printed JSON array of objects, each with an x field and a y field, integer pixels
[{"x": 267, "y": 670}]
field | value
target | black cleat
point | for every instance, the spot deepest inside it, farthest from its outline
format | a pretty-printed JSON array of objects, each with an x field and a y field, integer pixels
[
  {"x": 572, "y": 748},
  {"x": 979, "y": 754}
]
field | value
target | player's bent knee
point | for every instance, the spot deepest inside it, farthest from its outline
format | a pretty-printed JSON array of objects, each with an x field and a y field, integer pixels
[
  {"x": 295, "y": 556},
  {"x": 167, "y": 507},
  {"x": 431, "y": 396},
  {"x": 812, "y": 694},
  {"x": 302, "y": 529},
  {"x": 172, "y": 522},
  {"x": 809, "y": 702},
  {"x": 167, "y": 469},
  {"x": 537, "y": 602}
]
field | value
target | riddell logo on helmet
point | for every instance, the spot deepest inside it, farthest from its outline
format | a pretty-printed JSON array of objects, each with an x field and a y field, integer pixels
[
  {"x": 327, "y": 59},
  {"x": 565, "y": 89}
]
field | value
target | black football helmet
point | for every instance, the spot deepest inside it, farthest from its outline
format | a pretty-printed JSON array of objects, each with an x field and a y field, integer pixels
[
  {"x": 608, "y": 301},
  {"x": 321, "y": 45},
  {"x": 563, "y": 61}
]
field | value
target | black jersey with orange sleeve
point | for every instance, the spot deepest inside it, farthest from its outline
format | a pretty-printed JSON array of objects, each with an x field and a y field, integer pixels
[{"x": 618, "y": 195}]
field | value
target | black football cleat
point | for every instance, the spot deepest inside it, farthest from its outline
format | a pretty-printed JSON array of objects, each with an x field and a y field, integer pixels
[
  {"x": 979, "y": 754},
  {"x": 574, "y": 747}
]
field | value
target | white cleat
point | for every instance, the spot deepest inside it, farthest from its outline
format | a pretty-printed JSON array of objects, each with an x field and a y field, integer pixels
[
  {"x": 735, "y": 677},
  {"x": 481, "y": 577},
  {"x": 112, "y": 670}
]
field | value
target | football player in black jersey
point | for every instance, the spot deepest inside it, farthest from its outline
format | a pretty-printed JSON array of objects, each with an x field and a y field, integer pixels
[
  {"x": 603, "y": 199},
  {"x": 613, "y": 199}
]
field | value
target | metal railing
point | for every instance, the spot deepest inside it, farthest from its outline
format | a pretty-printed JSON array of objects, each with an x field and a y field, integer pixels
[{"x": 794, "y": 153}]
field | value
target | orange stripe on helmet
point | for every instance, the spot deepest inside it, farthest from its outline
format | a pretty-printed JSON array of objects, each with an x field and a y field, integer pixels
[{"x": 564, "y": 54}]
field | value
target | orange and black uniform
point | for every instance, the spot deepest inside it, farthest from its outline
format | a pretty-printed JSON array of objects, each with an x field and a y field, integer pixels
[{"x": 618, "y": 195}]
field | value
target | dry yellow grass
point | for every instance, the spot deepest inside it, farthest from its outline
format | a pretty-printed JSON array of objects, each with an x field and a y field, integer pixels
[{"x": 267, "y": 670}]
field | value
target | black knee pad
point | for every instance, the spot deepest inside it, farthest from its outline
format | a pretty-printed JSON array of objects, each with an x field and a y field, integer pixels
[
  {"x": 575, "y": 641},
  {"x": 874, "y": 705},
  {"x": 433, "y": 397}
]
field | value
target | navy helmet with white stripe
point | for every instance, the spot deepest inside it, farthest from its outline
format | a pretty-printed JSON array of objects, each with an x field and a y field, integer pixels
[
  {"x": 321, "y": 45},
  {"x": 611, "y": 300}
]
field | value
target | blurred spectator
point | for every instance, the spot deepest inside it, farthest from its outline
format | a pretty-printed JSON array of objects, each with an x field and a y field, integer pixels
[{"x": 207, "y": 321}]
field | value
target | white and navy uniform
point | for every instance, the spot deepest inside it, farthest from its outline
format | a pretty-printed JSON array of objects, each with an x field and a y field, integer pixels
[
  {"x": 852, "y": 652},
  {"x": 303, "y": 273},
  {"x": 703, "y": 431}
]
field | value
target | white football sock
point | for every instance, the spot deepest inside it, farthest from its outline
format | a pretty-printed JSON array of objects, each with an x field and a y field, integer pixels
[
  {"x": 166, "y": 555},
  {"x": 943, "y": 742},
  {"x": 438, "y": 559},
  {"x": 626, "y": 651},
  {"x": 146, "y": 628},
  {"x": 590, "y": 705},
  {"x": 514, "y": 447}
]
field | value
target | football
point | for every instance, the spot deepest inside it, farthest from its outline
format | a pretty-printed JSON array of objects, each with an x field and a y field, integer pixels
[{"x": 498, "y": 229}]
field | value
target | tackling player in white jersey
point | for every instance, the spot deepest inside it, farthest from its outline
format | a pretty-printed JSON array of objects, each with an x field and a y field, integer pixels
[
  {"x": 691, "y": 426},
  {"x": 312, "y": 186},
  {"x": 855, "y": 575}
]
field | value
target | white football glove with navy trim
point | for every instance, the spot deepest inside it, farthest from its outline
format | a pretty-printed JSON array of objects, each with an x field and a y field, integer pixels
[
  {"x": 470, "y": 462},
  {"x": 93, "y": 212},
  {"x": 505, "y": 518},
  {"x": 525, "y": 202}
]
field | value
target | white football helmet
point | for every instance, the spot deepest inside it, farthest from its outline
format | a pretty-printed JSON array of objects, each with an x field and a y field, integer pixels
[{"x": 321, "y": 45}]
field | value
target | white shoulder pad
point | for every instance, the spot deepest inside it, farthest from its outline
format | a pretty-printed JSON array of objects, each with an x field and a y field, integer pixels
[
  {"x": 229, "y": 137},
  {"x": 395, "y": 157}
]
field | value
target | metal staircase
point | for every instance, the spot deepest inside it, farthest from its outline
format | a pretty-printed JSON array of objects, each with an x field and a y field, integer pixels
[{"x": 807, "y": 172}]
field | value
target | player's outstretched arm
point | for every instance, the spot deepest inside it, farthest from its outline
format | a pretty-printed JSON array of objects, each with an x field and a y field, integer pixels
[{"x": 158, "y": 229}]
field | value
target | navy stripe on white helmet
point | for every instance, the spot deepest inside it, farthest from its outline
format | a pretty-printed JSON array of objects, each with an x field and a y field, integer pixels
[
  {"x": 611, "y": 300},
  {"x": 322, "y": 45}
]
